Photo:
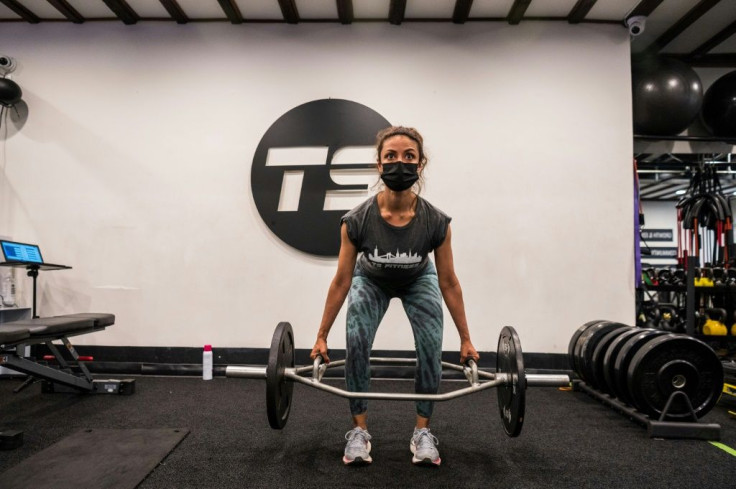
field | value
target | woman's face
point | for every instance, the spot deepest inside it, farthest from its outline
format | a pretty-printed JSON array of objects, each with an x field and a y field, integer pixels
[{"x": 398, "y": 148}]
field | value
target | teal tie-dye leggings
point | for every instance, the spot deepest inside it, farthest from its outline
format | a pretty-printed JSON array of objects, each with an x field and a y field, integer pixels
[{"x": 367, "y": 303}]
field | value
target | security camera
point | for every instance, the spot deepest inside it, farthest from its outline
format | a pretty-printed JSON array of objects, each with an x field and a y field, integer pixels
[
  {"x": 7, "y": 64},
  {"x": 636, "y": 24}
]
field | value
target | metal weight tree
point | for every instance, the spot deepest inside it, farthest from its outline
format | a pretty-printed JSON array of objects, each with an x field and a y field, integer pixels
[{"x": 704, "y": 239}]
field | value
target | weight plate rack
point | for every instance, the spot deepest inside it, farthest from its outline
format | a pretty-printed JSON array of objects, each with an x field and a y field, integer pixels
[{"x": 664, "y": 381}]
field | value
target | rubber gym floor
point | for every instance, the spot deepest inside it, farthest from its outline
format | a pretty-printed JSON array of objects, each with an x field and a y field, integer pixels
[{"x": 568, "y": 440}]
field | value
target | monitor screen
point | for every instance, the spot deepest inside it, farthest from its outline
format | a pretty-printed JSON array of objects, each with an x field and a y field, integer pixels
[{"x": 21, "y": 252}]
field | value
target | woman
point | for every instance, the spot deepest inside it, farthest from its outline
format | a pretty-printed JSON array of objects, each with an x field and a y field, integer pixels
[{"x": 384, "y": 253}]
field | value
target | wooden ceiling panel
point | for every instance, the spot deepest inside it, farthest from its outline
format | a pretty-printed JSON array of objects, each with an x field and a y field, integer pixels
[
  {"x": 317, "y": 9},
  {"x": 147, "y": 8},
  {"x": 21, "y": 11},
  {"x": 607, "y": 10},
  {"x": 374, "y": 9},
  {"x": 6, "y": 13},
  {"x": 727, "y": 46},
  {"x": 659, "y": 21},
  {"x": 430, "y": 9},
  {"x": 260, "y": 9},
  {"x": 92, "y": 10},
  {"x": 43, "y": 9},
  {"x": 197, "y": 9},
  {"x": 712, "y": 22},
  {"x": 550, "y": 8},
  {"x": 491, "y": 9}
]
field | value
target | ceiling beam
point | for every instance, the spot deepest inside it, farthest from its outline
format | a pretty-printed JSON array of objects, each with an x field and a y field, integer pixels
[
  {"x": 714, "y": 41},
  {"x": 462, "y": 11},
  {"x": 175, "y": 11},
  {"x": 681, "y": 25},
  {"x": 580, "y": 10},
  {"x": 345, "y": 11},
  {"x": 231, "y": 11},
  {"x": 23, "y": 12},
  {"x": 289, "y": 11},
  {"x": 518, "y": 9},
  {"x": 397, "y": 11},
  {"x": 725, "y": 60},
  {"x": 645, "y": 7},
  {"x": 67, "y": 10},
  {"x": 123, "y": 11}
]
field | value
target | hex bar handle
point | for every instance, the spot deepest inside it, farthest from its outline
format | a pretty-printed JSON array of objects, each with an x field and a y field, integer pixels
[
  {"x": 395, "y": 361},
  {"x": 392, "y": 396}
]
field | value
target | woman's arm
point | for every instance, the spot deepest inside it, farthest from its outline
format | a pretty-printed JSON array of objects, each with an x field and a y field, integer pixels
[
  {"x": 337, "y": 292},
  {"x": 453, "y": 295}
]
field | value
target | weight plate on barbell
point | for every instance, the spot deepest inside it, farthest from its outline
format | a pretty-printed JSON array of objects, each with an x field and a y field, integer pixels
[
  {"x": 599, "y": 354},
  {"x": 623, "y": 360},
  {"x": 609, "y": 358},
  {"x": 511, "y": 395},
  {"x": 670, "y": 363},
  {"x": 586, "y": 346},
  {"x": 278, "y": 389},
  {"x": 574, "y": 340}
]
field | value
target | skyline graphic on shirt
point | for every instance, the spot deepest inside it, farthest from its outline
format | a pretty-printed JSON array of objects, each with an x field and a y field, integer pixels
[{"x": 398, "y": 257}]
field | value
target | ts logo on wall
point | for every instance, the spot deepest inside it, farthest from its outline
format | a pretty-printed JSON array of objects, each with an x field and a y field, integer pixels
[{"x": 312, "y": 165}]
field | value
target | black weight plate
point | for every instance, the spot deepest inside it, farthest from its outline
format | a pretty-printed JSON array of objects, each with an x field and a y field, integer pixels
[
  {"x": 609, "y": 358},
  {"x": 623, "y": 359},
  {"x": 587, "y": 344},
  {"x": 599, "y": 354},
  {"x": 574, "y": 340},
  {"x": 511, "y": 395},
  {"x": 578, "y": 349},
  {"x": 278, "y": 389},
  {"x": 675, "y": 363}
]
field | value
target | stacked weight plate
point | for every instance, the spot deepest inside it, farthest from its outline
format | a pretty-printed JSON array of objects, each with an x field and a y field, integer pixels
[{"x": 645, "y": 367}]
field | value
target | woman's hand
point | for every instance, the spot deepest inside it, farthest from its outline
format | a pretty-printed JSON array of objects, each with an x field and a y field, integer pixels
[
  {"x": 320, "y": 348},
  {"x": 467, "y": 351}
]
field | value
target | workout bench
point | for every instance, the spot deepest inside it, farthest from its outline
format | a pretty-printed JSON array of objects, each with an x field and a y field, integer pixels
[{"x": 15, "y": 335}]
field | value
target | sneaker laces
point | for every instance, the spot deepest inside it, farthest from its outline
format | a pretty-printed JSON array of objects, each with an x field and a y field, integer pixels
[
  {"x": 357, "y": 437},
  {"x": 424, "y": 439}
]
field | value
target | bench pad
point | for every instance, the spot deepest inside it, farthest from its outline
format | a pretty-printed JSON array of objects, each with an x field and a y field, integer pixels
[
  {"x": 51, "y": 326},
  {"x": 101, "y": 320},
  {"x": 13, "y": 334}
]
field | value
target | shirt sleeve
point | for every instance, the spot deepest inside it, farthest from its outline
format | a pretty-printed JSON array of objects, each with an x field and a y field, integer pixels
[
  {"x": 352, "y": 228},
  {"x": 438, "y": 223},
  {"x": 442, "y": 223},
  {"x": 354, "y": 220}
]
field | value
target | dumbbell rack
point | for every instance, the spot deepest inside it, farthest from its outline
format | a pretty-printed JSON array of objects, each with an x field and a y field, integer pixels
[
  {"x": 693, "y": 296},
  {"x": 694, "y": 429}
]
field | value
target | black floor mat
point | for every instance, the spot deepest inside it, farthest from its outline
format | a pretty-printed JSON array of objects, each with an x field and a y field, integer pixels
[{"x": 98, "y": 458}]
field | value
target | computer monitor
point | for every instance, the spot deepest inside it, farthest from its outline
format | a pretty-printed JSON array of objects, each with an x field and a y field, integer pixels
[{"x": 21, "y": 252}]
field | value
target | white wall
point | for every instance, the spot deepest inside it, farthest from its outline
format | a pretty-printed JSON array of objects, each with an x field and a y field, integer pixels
[{"x": 134, "y": 164}]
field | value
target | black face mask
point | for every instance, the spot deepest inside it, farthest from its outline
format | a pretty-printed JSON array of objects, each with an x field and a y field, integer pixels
[{"x": 399, "y": 176}]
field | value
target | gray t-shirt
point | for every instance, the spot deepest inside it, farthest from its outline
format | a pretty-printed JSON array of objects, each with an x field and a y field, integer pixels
[{"x": 395, "y": 254}]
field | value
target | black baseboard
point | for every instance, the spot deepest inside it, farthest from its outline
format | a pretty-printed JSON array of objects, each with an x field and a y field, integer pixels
[{"x": 156, "y": 360}]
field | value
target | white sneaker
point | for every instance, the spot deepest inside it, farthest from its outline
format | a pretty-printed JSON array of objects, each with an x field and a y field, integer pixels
[
  {"x": 423, "y": 448},
  {"x": 358, "y": 449}
]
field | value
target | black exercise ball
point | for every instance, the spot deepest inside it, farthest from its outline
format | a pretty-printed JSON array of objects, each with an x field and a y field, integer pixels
[
  {"x": 667, "y": 95},
  {"x": 10, "y": 92},
  {"x": 719, "y": 107}
]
